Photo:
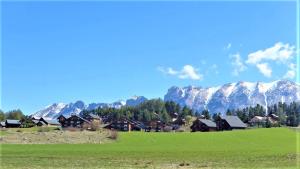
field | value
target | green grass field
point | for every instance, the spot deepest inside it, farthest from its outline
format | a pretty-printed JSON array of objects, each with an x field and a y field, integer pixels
[{"x": 254, "y": 148}]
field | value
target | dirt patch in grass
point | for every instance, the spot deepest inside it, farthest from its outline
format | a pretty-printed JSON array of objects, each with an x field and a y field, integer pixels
[{"x": 55, "y": 137}]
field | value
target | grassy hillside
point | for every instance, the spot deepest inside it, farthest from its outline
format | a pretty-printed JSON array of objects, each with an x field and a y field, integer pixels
[{"x": 257, "y": 148}]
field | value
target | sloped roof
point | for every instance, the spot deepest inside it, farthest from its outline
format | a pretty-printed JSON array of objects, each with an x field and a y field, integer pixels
[
  {"x": 208, "y": 123},
  {"x": 258, "y": 119},
  {"x": 65, "y": 116},
  {"x": 80, "y": 118},
  {"x": 52, "y": 122},
  {"x": 2, "y": 123},
  {"x": 41, "y": 122},
  {"x": 35, "y": 121},
  {"x": 9, "y": 121},
  {"x": 94, "y": 116},
  {"x": 137, "y": 124},
  {"x": 234, "y": 121}
]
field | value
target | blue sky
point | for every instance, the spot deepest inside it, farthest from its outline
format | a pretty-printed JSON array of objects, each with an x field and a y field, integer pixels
[{"x": 106, "y": 51}]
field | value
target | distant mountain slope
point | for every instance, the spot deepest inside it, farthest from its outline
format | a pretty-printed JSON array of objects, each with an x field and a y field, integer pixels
[
  {"x": 234, "y": 95},
  {"x": 215, "y": 99},
  {"x": 57, "y": 109}
]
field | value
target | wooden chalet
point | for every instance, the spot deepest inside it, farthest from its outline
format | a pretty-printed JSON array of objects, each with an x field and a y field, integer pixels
[
  {"x": 12, "y": 123},
  {"x": 92, "y": 117},
  {"x": 273, "y": 118},
  {"x": 154, "y": 125},
  {"x": 35, "y": 121},
  {"x": 125, "y": 125},
  {"x": 258, "y": 121},
  {"x": 261, "y": 121},
  {"x": 203, "y": 125},
  {"x": 179, "y": 121},
  {"x": 74, "y": 121},
  {"x": 230, "y": 123},
  {"x": 41, "y": 124}
]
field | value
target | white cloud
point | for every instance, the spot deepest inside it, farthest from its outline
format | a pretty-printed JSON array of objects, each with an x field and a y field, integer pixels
[
  {"x": 279, "y": 52},
  {"x": 265, "y": 69},
  {"x": 187, "y": 72},
  {"x": 238, "y": 64},
  {"x": 291, "y": 73},
  {"x": 228, "y": 46},
  {"x": 168, "y": 70}
]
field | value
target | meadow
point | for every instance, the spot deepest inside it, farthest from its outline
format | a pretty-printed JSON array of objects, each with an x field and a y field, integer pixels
[{"x": 253, "y": 148}]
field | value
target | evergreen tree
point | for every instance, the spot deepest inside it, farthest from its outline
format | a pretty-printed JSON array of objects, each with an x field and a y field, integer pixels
[
  {"x": 216, "y": 116},
  {"x": 14, "y": 114},
  {"x": 2, "y": 115},
  {"x": 206, "y": 114},
  {"x": 228, "y": 112},
  {"x": 165, "y": 117}
]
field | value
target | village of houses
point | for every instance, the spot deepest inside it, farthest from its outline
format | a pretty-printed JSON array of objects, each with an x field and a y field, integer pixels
[{"x": 86, "y": 122}]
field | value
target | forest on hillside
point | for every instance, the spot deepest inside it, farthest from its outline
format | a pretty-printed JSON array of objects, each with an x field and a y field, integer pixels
[{"x": 157, "y": 109}]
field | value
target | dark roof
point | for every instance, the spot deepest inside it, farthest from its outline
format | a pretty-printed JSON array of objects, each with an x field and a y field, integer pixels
[
  {"x": 80, "y": 118},
  {"x": 65, "y": 116},
  {"x": 234, "y": 121},
  {"x": 35, "y": 121},
  {"x": 41, "y": 122},
  {"x": 137, "y": 124},
  {"x": 208, "y": 123},
  {"x": 52, "y": 122},
  {"x": 9, "y": 121}
]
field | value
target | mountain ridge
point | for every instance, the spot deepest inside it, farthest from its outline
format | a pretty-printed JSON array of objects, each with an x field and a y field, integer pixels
[
  {"x": 234, "y": 95},
  {"x": 217, "y": 99}
]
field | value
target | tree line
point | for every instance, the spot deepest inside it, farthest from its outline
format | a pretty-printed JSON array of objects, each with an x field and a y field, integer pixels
[
  {"x": 12, "y": 114},
  {"x": 155, "y": 109},
  {"x": 288, "y": 114},
  {"x": 17, "y": 115}
]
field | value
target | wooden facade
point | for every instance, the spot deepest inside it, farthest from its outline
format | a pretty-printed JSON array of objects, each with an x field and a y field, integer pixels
[
  {"x": 230, "y": 123},
  {"x": 50, "y": 123},
  {"x": 154, "y": 125},
  {"x": 73, "y": 121},
  {"x": 12, "y": 123},
  {"x": 203, "y": 125},
  {"x": 92, "y": 117},
  {"x": 125, "y": 125}
]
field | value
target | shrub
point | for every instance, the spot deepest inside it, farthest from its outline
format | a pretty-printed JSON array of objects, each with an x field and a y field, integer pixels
[
  {"x": 113, "y": 134},
  {"x": 86, "y": 126},
  {"x": 19, "y": 130},
  {"x": 95, "y": 125}
]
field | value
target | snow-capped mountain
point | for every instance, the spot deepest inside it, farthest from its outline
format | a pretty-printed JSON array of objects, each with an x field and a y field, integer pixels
[
  {"x": 50, "y": 111},
  {"x": 135, "y": 100},
  {"x": 215, "y": 99},
  {"x": 57, "y": 109},
  {"x": 234, "y": 95}
]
